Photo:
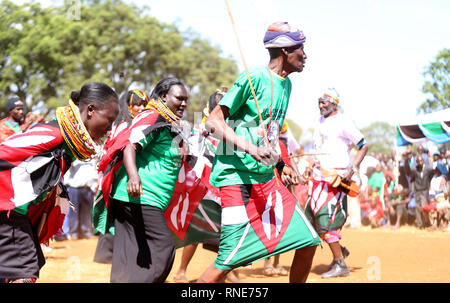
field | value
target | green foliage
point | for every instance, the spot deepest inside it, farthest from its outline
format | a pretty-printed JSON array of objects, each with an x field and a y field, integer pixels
[
  {"x": 46, "y": 53},
  {"x": 437, "y": 83},
  {"x": 380, "y": 137}
]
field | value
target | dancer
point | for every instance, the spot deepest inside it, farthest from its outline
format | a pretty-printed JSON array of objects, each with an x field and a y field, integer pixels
[
  {"x": 131, "y": 103},
  {"x": 142, "y": 185},
  {"x": 326, "y": 205},
  {"x": 260, "y": 217},
  {"x": 32, "y": 204},
  {"x": 210, "y": 144}
]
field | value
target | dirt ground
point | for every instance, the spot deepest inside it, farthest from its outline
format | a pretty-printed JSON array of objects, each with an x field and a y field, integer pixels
[{"x": 407, "y": 255}]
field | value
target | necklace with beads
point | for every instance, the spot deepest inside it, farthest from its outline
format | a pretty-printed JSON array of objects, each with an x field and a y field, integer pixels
[
  {"x": 75, "y": 133},
  {"x": 163, "y": 110}
]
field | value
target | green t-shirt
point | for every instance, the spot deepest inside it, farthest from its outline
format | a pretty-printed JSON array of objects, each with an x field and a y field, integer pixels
[
  {"x": 14, "y": 125},
  {"x": 377, "y": 180},
  {"x": 232, "y": 166},
  {"x": 158, "y": 164}
]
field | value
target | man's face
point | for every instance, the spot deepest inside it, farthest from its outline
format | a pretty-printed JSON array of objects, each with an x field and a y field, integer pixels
[
  {"x": 326, "y": 107},
  {"x": 296, "y": 58},
  {"x": 17, "y": 112},
  {"x": 420, "y": 161}
]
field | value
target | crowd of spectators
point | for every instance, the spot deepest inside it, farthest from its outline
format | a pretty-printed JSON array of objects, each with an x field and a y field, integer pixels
[{"x": 408, "y": 189}]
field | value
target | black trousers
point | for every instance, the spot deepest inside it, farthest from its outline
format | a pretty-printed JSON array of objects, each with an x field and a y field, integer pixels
[
  {"x": 20, "y": 253},
  {"x": 104, "y": 250},
  {"x": 144, "y": 249},
  {"x": 421, "y": 200}
]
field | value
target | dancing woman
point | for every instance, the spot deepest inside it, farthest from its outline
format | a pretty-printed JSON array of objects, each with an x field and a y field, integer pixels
[
  {"x": 141, "y": 186},
  {"x": 32, "y": 165}
]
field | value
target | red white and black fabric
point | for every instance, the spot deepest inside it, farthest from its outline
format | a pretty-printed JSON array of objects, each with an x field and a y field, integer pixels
[
  {"x": 192, "y": 184},
  {"x": 145, "y": 123},
  {"x": 32, "y": 164}
]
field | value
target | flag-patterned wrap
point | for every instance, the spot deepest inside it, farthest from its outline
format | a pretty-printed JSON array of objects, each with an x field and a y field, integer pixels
[
  {"x": 31, "y": 166},
  {"x": 144, "y": 123},
  {"x": 258, "y": 221},
  {"x": 326, "y": 206},
  {"x": 193, "y": 214}
]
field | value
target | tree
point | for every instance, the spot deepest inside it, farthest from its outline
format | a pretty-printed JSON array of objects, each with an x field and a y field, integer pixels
[
  {"x": 437, "y": 83},
  {"x": 380, "y": 137},
  {"x": 45, "y": 54}
]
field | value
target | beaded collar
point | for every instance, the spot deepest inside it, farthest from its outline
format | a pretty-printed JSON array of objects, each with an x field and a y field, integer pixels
[
  {"x": 163, "y": 110},
  {"x": 75, "y": 133}
]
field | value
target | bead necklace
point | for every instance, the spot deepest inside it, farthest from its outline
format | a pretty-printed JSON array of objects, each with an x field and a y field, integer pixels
[
  {"x": 163, "y": 110},
  {"x": 74, "y": 132}
]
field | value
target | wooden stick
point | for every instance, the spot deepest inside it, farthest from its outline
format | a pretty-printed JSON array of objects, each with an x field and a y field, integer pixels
[{"x": 251, "y": 85}]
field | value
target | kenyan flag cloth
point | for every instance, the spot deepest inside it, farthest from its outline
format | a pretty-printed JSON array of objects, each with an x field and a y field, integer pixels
[
  {"x": 32, "y": 165},
  {"x": 204, "y": 222},
  {"x": 258, "y": 221},
  {"x": 326, "y": 206},
  {"x": 145, "y": 123},
  {"x": 193, "y": 214}
]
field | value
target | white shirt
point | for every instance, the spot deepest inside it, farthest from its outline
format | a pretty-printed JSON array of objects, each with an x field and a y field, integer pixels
[
  {"x": 82, "y": 174},
  {"x": 332, "y": 138}
]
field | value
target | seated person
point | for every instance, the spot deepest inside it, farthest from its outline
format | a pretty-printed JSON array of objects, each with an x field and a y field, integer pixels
[
  {"x": 372, "y": 210},
  {"x": 396, "y": 206}
]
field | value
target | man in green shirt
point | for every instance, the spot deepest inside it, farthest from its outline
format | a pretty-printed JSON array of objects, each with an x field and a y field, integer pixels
[{"x": 260, "y": 217}]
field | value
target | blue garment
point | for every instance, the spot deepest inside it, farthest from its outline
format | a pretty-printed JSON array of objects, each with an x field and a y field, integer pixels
[{"x": 78, "y": 223}]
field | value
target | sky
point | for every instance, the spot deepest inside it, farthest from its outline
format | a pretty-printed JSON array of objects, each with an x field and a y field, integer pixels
[{"x": 374, "y": 52}]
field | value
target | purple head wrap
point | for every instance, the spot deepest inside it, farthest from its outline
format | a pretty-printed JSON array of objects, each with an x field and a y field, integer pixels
[{"x": 282, "y": 34}]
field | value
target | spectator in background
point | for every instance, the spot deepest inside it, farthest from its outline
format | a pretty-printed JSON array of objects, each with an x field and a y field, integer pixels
[
  {"x": 442, "y": 160},
  {"x": 81, "y": 181},
  {"x": 424, "y": 153},
  {"x": 436, "y": 157},
  {"x": 403, "y": 178},
  {"x": 421, "y": 176},
  {"x": 439, "y": 206},
  {"x": 411, "y": 158},
  {"x": 389, "y": 183},
  {"x": 15, "y": 122},
  {"x": 377, "y": 180},
  {"x": 396, "y": 206},
  {"x": 372, "y": 210}
]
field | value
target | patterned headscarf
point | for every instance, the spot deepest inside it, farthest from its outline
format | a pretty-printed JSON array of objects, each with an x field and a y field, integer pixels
[
  {"x": 282, "y": 34},
  {"x": 139, "y": 94},
  {"x": 331, "y": 95}
]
